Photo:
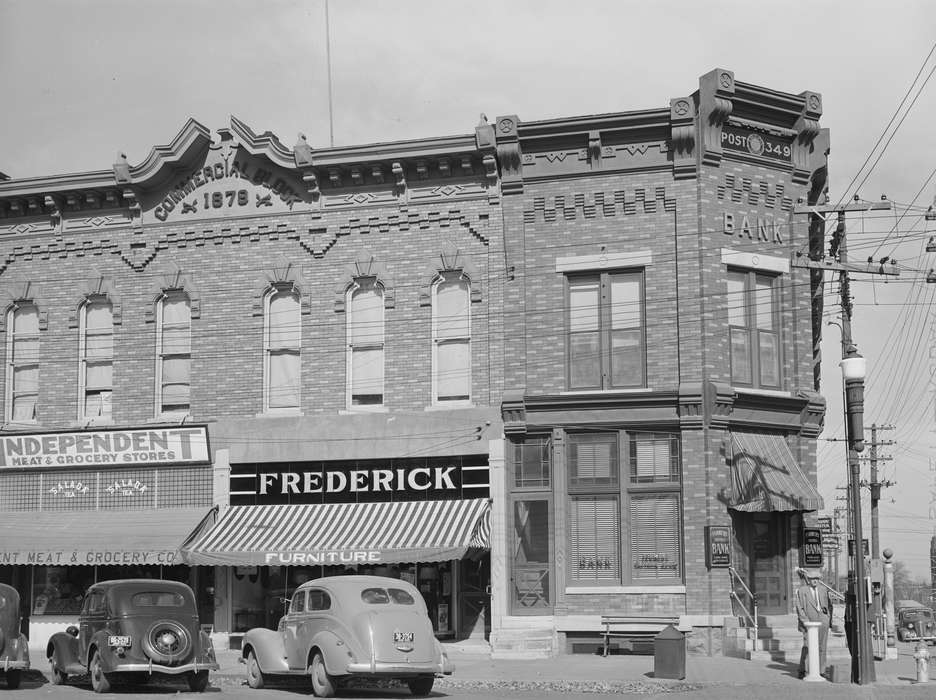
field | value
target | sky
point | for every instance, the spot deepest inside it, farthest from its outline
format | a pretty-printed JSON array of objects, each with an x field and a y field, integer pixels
[{"x": 84, "y": 80}]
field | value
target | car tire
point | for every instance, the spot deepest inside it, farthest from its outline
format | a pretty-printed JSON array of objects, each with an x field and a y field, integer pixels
[
  {"x": 13, "y": 678},
  {"x": 323, "y": 685},
  {"x": 255, "y": 677},
  {"x": 197, "y": 681},
  {"x": 179, "y": 647},
  {"x": 56, "y": 675},
  {"x": 100, "y": 683},
  {"x": 421, "y": 686}
]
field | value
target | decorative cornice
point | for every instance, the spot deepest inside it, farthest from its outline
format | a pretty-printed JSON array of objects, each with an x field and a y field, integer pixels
[
  {"x": 265, "y": 144},
  {"x": 716, "y": 90},
  {"x": 192, "y": 140},
  {"x": 691, "y": 406},
  {"x": 812, "y": 416},
  {"x": 807, "y": 129},
  {"x": 509, "y": 154},
  {"x": 513, "y": 412},
  {"x": 682, "y": 137}
]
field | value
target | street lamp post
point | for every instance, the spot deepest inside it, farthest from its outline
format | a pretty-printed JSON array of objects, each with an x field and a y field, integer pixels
[{"x": 853, "y": 373}]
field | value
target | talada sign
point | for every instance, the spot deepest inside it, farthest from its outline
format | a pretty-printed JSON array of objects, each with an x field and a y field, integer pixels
[{"x": 106, "y": 448}]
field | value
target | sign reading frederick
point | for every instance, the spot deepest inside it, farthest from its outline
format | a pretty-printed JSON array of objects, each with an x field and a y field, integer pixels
[{"x": 120, "y": 448}]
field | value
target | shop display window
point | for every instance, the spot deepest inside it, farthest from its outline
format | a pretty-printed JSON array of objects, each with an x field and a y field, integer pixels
[{"x": 58, "y": 590}]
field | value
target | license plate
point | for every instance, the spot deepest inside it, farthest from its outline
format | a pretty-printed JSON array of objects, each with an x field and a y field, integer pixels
[
  {"x": 118, "y": 641},
  {"x": 402, "y": 637}
]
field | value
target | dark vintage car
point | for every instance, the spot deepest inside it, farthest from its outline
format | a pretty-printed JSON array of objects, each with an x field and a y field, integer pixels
[
  {"x": 346, "y": 628},
  {"x": 130, "y": 630},
  {"x": 914, "y": 622},
  {"x": 14, "y": 649}
]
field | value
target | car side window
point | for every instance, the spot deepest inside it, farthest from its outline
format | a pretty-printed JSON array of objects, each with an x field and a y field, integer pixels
[
  {"x": 297, "y": 604},
  {"x": 318, "y": 600},
  {"x": 95, "y": 604},
  {"x": 401, "y": 597},
  {"x": 375, "y": 596}
]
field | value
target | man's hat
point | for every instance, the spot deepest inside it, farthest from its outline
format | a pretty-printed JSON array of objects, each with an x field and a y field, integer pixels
[{"x": 812, "y": 573}]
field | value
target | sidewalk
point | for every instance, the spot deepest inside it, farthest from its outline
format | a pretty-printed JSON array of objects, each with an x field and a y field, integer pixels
[{"x": 474, "y": 667}]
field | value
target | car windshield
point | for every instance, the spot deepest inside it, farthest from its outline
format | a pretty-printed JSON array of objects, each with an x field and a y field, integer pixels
[
  {"x": 158, "y": 600},
  {"x": 916, "y": 614},
  {"x": 383, "y": 596}
]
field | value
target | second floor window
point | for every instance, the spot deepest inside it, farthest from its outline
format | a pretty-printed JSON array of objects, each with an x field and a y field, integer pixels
[
  {"x": 606, "y": 346},
  {"x": 451, "y": 331},
  {"x": 365, "y": 343},
  {"x": 22, "y": 363},
  {"x": 754, "y": 329},
  {"x": 282, "y": 344},
  {"x": 97, "y": 358},
  {"x": 174, "y": 354}
]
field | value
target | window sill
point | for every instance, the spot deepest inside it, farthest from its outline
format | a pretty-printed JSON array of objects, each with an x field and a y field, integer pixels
[
  {"x": 592, "y": 590},
  {"x": 93, "y": 422},
  {"x": 762, "y": 392},
  {"x": 171, "y": 418},
  {"x": 19, "y": 425},
  {"x": 449, "y": 406},
  {"x": 280, "y": 413},
  {"x": 363, "y": 409},
  {"x": 586, "y": 392}
]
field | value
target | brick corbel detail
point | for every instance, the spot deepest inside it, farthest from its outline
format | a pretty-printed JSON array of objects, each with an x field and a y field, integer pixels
[
  {"x": 682, "y": 137},
  {"x": 716, "y": 92},
  {"x": 509, "y": 154},
  {"x": 513, "y": 412},
  {"x": 806, "y": 128},
  {"x": 719, "y": 403},
  {"x": 97, "y": 286},
  {"x": 450, "y": 260},
  {"x": 283, "y": 275},
  {"x": 812, "y": 417},
  {"x": 691, "y": 406}
]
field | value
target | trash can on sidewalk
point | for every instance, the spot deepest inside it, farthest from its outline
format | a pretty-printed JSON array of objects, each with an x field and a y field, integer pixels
[{"x": 669, "y": 654}]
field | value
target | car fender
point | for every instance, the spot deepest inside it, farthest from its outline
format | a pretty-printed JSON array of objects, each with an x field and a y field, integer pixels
[
  {"x": 336, "y": 652},
  {"x": 16, "y": 652},
  {"x": 65, "y": 647},
  {"x": 268, "y": 647}
]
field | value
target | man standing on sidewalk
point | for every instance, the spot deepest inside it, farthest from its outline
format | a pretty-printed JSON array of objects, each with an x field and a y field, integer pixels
[{"x": 813, "y": 604}]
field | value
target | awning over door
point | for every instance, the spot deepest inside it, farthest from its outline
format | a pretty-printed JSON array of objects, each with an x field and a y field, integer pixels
[
  {"x": 344, "y": 533},
  {"x": 765, "y": 476},
  {"x": 102, "y": 537}
]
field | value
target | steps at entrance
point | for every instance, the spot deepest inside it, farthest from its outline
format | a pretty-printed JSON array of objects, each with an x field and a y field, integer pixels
[
  {"x": 779, "y": 638},
  {"x": 522, "y": 643}
]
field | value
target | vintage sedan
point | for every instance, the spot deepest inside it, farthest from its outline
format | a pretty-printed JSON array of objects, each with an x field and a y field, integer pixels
[
  {"x": 14, "y": 649},
  {"x": 344, "y": 628},
  {"x": 131, "y": 630}
]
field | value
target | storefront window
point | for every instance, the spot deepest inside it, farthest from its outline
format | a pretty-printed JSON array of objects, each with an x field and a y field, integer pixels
[
  {"x": 531, "y": 554},
  {"x": 58, "y": 590}
]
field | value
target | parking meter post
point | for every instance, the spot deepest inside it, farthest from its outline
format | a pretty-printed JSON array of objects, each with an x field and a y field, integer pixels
[
  {"x": 812, "y": 642},
  {"x": 921, "y": 655},
  {"x": 890, "y": 651}
]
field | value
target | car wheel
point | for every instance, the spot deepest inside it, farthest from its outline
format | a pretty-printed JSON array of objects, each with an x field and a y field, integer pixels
[
  {"x": 13, "y": 678},
  {"x": 421, "y": 686},
  {"x": 322, "y": 684},
  {"x": 56, "y": 675},
  {"x": 197, "y": 681},
  {"x": 100, "y": 683},
  {"x": 254, "y": 674},
  {"x": 167, "y": 642}
]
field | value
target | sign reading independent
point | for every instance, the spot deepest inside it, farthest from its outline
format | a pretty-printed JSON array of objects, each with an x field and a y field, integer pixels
[{"x": 188, "y": 445}]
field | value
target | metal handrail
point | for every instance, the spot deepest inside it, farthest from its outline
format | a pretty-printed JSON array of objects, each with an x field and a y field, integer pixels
[{"x": 752, "y": 616}]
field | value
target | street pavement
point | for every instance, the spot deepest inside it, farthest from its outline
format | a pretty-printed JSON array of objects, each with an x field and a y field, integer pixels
[{"x": 706, "y": 676}]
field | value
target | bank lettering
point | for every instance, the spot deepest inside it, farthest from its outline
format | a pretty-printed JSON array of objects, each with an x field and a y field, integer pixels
[{"x": 753, "y": 228}]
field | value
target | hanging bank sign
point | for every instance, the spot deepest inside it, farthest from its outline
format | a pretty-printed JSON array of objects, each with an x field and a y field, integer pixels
[{"x": 188, "y": 445}]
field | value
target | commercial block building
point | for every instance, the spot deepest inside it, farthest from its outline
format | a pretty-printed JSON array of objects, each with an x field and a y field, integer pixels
[{"x": 546, "y": 370}]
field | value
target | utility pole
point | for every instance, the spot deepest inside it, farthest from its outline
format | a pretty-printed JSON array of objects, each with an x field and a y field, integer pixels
[
  {"x": 876, "y": 485},
  {"x": 853, "y": 373}
]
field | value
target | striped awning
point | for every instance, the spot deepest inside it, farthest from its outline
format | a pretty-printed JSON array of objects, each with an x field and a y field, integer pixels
[
  {"x": 765, "y": 476},
  {"x": 344, "y": 533}
]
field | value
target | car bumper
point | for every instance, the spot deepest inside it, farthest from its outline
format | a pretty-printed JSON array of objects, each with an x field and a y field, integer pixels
[
  {"x": 170, "y": 670},
  {"x": 397, "y": 670}
]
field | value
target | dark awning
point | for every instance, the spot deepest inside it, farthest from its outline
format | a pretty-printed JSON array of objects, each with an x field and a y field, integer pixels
[
  {"x": 766, "y": 477},
  {"x": 102, "y": 537},
  {"x": 344, "y": 533}
]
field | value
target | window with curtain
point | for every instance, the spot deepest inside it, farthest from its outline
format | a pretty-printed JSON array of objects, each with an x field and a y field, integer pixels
[
  {"x": 283, "y": 332},
  {"x": 451, "y": 331},
  {"x": 606, "y": 343},
  {"x": 22, "y": 362},
  {"x": 365, "y": 343},
  {"x": 754, "y": 329},
  {"x": 624, "y": 508},
  {"x": 174, "y": 353},
  {"x": 96, "y": 330}
]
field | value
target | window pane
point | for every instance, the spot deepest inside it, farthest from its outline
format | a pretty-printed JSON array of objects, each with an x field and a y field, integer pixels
[
  {"x": 24, "y": 407},
  {"x": 175, "y": 397},
  {"x": 531, "y": 463},
  {"x": 593, "y": 460},
  {"x": 99, "y": 346},
  {"x": 625, "y": 301},
  {"x": 452, "y": 306},
  {"x": 627, "y": 362},
  {"x": 98, "y": 316},
  {"x": 367, "y": 372},
  {"x": 583, "y": 305},
  {"x": 26, "y": 320},
  {"x": 26, "y": 379},
  {"x": 769, "y": 358},
  {"x": 763, "y": 303},
  {"x": 594, "y": 539},
  {"x": 176, "y": 370},
  {"x": 99, "y": 375},
  {"x": 176, "y": 341},
  {"x": 531, "y": 554},
  {"x": 584, "y": 360},
  {"x": 655, "y": 542},
  {"x": 740, "y": 356},
  {"x": 97, "y": 404},
  {"x": 654, "y": 457},
  {"x": 735, "y": 301},
  {"x": 366, "y": 317},
  {"x": 453, "y": 367},
  {"x": 25, "y": 350},
  {"x": 285, "y": 323},
  {"x": 175, "y": 311},
  {"x": 284, "y": 379}
]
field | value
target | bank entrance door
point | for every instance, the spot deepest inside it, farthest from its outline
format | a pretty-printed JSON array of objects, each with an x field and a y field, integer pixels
[{"x": 768, "y": 547}]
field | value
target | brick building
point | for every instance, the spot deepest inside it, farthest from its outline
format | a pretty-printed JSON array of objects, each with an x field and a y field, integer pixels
[{"x": 546, "y": 370}]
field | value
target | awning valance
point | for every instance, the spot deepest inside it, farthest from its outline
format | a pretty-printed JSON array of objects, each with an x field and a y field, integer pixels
[
  {"x": 765, "y": 476},
  {"x": 102, "y": 537},
  {"x": 344, "y": 533}
]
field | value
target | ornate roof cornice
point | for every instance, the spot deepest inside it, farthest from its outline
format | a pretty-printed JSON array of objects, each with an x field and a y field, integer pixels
[{"x": 192, "y": 140}]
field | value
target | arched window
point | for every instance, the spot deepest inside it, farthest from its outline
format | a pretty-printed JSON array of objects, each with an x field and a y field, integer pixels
[
  {"x": 96, "y": 358},
  {"x": 282, "y": 335},
  {"x": 451, "y": 339},
  {"x": 365, "y": 343},
  {"x": 173, "y": 353},
  {"x": 22, "y": 362}
]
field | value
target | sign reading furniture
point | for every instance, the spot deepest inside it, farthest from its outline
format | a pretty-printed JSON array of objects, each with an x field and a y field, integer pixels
[{"x": 188, "y": 445}]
